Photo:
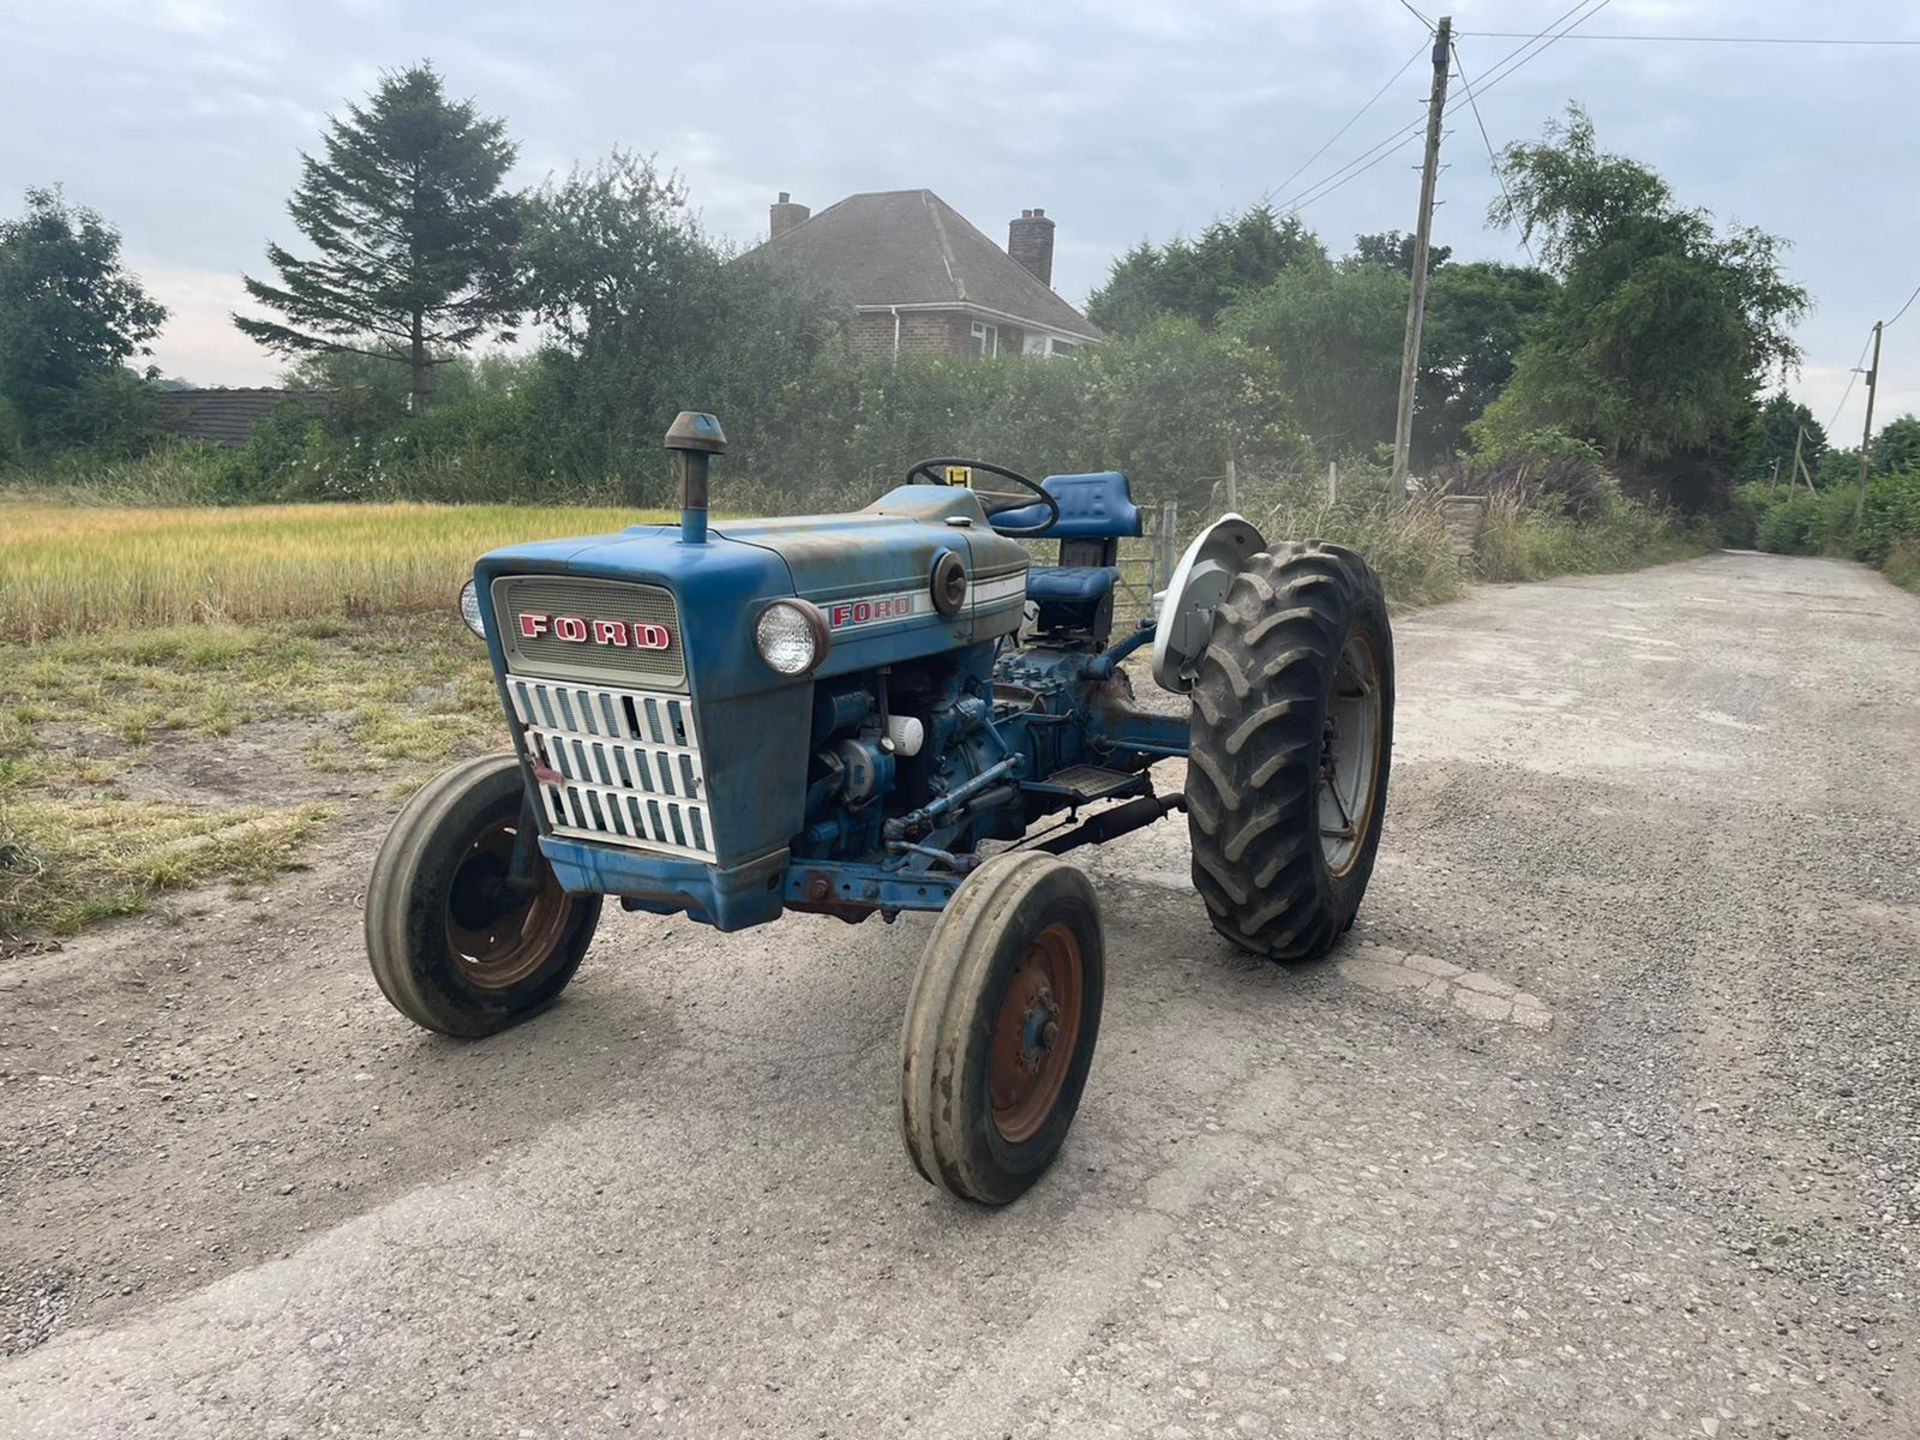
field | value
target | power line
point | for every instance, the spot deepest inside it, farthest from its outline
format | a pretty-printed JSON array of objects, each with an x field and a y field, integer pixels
[
  {"x": 1331, "y": 139},
  {"x": 1493, "y": 161},
  {"x": 1503, "y": 69},
  {"x": 1703, "y": 39},
  {"x": 1513, "y": 60},
  {"x": 1909, "y": 305},
  {"x": 1417, "y": 15},
  {"x": 1853, "y": 378}
]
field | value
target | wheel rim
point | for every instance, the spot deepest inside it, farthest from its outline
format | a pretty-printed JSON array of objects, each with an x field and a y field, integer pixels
[
  {"x": 1035, "y": 1034},
  {"x": 1350, "y": 755},
  {"x": 498, "y": 937}
]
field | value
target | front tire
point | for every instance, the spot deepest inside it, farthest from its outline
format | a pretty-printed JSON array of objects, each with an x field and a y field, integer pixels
[
  {"x": 1290, "y": 745},
  {"x": 1001, "y": 1027},
  {"x": 454, "y": 947}
]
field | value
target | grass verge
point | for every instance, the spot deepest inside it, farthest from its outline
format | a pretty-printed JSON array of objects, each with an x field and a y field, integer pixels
[
  {"x": 90, "y": 725},
  {"x": 1534, "y": 543}
]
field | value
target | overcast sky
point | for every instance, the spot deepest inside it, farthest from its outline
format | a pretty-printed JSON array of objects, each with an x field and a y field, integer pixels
[{"x": 181, "y": 121}]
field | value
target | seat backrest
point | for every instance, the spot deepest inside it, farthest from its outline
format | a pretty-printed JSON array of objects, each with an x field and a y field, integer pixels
[{"x": 1094, "y": 506}]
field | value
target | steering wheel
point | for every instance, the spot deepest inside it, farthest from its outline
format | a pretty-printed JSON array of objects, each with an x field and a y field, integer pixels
[{"x": 996, "y": 502}]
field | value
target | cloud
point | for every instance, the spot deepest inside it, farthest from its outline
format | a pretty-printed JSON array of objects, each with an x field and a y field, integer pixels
[{"x": 182, "y": 120}]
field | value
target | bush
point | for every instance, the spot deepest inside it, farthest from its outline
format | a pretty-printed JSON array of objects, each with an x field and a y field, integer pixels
[
  {"x": 1903, "y": 564},
  {"x": 1522, "y": 542},
  {"x": 1790, "y": 526},
  {"x": 1891, "y": 515},
  {"x": 1407, "y": 544},
  {"x": 1740, "y": 525},
  {"x": 1541, "y": 467}
]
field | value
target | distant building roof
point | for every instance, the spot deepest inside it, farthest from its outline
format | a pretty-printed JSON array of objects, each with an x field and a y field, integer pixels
[
  {"x": 224, "y": 416},
  {"x": 909, "y": 247}
]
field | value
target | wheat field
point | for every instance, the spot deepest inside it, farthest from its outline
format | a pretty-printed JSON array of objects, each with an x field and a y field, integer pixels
[{"x": 67, "y": 569}]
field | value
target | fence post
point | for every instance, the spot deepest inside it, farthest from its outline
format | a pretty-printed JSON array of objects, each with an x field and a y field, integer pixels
[
  {"x": 1333, "y": 482},
  {"x": 1169, "y": 533}
]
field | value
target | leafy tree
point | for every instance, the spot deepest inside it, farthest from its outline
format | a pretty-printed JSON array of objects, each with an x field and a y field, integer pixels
[
  {"x": 1199, "y": 279},
  {"x": 369, "y": 393},
  {"x": 1168, "y": 405},
  {"x": 70, "y": 314},
  {"x": 1395, "y": 251},
  {"x": 651, "y": 318},
  {"x": 1767, "y": 440},
  {"x": 1662, "y": 330},
  {"x": 1479, "y": 316},
  {"x": 1897, "y": 446},
  {"x": 1836, "y": 468},
  {"x": 613, "y": 259},
  {"x": 414, "y": 233},
  {"x": 1337, "y": 332}
]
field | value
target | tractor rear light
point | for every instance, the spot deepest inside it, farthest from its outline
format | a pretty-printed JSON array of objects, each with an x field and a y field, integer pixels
[
  {"x": 791, "y": 636},
  {"x": 470, "y": 609}
]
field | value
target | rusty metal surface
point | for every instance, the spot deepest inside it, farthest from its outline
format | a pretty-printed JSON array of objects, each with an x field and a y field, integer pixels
[{"x": 1035, "y": 1033}]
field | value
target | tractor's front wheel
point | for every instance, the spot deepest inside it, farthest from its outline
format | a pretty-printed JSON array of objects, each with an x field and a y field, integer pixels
[
  {"x": 1001, "y": 1027},
  {"x": 1289, "y": 746},
  {"x": 458, "y": 943}
]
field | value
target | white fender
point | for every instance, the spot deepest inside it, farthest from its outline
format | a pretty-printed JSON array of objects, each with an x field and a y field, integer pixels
[{"x": 1200, "y": 582}]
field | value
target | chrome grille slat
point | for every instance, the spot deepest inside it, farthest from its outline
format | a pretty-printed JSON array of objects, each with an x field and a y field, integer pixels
[{"x": 628, "y": 761}]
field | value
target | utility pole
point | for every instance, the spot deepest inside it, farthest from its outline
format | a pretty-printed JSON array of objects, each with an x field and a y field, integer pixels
[
  {"x": 1866, "y": 439},
  {"x": 1422, "y": 241}
]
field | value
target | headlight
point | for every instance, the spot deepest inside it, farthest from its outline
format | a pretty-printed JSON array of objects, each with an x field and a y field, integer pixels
[
  {"x": 791, "y": 636},
  {"x": 470, "y": 609}
]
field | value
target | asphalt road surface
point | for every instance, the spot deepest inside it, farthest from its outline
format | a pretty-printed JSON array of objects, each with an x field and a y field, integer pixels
[{"x": 1605, "y": 1121}]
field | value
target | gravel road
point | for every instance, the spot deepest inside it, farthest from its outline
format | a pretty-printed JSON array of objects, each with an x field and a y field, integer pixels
[{"x": 1604, "y": 1122}]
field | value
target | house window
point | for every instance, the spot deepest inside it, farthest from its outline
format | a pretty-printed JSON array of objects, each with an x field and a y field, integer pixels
[
  {"x": 1048, "y": 345},
  {"x": 986, "y": 339}
]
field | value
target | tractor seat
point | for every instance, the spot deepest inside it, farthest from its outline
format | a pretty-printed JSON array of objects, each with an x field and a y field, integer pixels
[
  {"x": 1070, "y": 582},
  {"x": 1095, "y": 506},
  {"x": 1096, "y": 511}
]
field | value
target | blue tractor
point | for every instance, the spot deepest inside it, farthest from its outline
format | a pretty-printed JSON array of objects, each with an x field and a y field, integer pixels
[{"x": 844, "y": 714}]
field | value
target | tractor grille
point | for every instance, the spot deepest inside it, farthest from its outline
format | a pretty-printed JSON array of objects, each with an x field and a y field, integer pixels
[
  {"x": 591, "y": 602},
  {"x": 621, "y": 766}
]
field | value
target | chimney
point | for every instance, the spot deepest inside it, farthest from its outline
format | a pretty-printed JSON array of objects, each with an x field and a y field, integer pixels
[
  {"x": 783, "y": 215},
  {"x": 1030, "y": 242}
]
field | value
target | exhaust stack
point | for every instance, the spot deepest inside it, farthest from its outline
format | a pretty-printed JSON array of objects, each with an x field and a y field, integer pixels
[{"x": 693, "y": 440}]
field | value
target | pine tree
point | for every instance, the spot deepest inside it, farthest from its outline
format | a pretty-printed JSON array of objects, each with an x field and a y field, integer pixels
[{"x": 414, "y": 233}]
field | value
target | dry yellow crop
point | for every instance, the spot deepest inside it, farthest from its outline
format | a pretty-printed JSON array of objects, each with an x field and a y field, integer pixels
[{"x": 68, "y": 569}]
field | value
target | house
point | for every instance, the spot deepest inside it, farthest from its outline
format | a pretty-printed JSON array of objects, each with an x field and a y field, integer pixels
[
  {"x": 923, "y": 281},
  {"x": 226, "y": 416}
]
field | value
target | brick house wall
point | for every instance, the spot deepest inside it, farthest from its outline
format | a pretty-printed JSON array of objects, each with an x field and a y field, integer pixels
[{"x": 924, "y": 332}]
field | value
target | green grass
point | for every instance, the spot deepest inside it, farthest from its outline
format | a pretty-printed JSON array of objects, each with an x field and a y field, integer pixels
[
  {"x": 1903, "y": 565},
  {"x": 1519, "y": 543},
  {"x": 80, "y": 715}
]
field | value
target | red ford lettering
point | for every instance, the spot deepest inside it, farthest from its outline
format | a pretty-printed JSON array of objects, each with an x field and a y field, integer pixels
[
  {"x": 862, "y": 612},
  {"x": 578, "y": 630}
]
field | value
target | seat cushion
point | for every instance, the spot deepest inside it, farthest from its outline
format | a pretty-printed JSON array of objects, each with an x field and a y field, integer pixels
[
  {"x": 1096, "y": 506},
  {"x": 1070, "y": 582}
]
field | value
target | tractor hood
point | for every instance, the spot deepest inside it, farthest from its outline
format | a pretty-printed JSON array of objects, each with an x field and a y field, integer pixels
[{"x": 869, "y": 571}]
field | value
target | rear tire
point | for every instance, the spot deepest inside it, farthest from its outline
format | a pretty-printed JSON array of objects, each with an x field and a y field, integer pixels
[
  {"x": 1290, "y": 745},
  {"x": 1001, "y": 1027},
  {"x": 452, "y": 946}
]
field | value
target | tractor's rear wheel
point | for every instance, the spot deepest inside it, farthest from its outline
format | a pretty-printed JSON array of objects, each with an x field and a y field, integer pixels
[
  {"x": 456, "y": 944},
  {"x": 1290, "y": 743},
  {"x": 1001, "y": 1027}
]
